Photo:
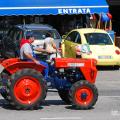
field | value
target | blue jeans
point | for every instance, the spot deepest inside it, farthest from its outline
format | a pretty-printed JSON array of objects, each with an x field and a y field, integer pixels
[{"x": 46, "y": 70}]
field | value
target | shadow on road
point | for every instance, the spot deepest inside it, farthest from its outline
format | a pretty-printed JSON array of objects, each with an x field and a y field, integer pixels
[
  {"x": 53, "y": 102},
  {"x": 108, "y": 68},
  {"x": 4, "y": 104},
  {"x": 74, "y": 108},
  {"x": 60, "y": 102}
]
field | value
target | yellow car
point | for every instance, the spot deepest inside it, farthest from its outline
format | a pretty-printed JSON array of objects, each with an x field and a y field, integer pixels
[{"x": 91, "y": 43}]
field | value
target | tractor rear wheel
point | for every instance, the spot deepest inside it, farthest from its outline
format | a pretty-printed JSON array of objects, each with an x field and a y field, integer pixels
[
  {"x": 64, "y": 95},
  {"x": 83, "y": 95},
  {"x": 26, "y": 89},
  {"x": 4, "y": 83},
  {"x": 4, "y": 95}
]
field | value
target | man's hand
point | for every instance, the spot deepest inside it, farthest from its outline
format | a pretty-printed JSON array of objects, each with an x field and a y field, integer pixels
[
  {"x": 59, "y": 50},
  {"x": 47, "y": 51},
  {"x": 36, "y": 61},
  {"x": 39, "y": 49}
]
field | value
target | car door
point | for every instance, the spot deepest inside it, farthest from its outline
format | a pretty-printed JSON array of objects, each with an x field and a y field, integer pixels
[
  {"x": 68, "y": 43},
  {"x": 74, "y": 44}
]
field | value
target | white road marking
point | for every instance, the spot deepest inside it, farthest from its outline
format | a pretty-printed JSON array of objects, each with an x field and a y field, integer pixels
[
  {"x": 115, "y": 113},
  {"x": 62, "y": 118}
]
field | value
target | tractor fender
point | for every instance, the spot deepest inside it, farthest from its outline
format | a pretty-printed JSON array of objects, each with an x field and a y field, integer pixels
[
  {"x": 13, "y": 65},
  {"x": 89, "y": 74}
]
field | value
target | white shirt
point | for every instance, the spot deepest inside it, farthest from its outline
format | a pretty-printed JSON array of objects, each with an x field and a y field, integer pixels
[
  {"x": 48, "y": 44},
  {"x": 26, "y": 48}
]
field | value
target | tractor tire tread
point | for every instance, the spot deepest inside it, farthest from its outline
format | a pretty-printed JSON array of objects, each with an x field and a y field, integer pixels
[
  {"x": 79, "y": 84},
  {"x": 11, "y": 82}
]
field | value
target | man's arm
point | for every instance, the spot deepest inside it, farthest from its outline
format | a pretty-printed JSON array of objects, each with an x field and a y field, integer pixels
[
  {"x": 41, "y": 50},
  {"x": 53, "y": 44},
  {"x": 29, "y": 56}
]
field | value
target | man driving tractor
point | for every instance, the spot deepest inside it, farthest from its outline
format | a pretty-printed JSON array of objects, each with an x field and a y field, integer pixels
[{"x": 27, "y": 54}]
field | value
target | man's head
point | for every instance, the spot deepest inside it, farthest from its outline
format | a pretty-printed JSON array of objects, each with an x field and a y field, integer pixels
[
  {"x": 30, "y": 37},
  {"x": 48, "y": 34}
]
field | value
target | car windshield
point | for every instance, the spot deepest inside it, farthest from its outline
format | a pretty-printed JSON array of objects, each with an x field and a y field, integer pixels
[
  {"x": 98, "y": 39},
  {"x": 40, "y": 34}
]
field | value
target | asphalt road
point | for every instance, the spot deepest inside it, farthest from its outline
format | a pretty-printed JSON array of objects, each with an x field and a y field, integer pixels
[{"x": 106, "y": 108}]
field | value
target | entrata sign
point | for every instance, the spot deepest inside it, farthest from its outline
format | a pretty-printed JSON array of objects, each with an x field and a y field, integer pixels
[
  {"x": 54, "y": 10},
  {"x": 74, "y": 11},
  {"x": 52, "y": 7},
  {"x": 81, "y": 9}
]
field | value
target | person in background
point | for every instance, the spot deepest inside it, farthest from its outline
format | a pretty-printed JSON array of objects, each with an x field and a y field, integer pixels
[
  {"x": 27, "y": 54},
  {"x": 82, "y": 49},
  {"x": 49, "y": 43},
  {"x": 50, "y": 46}
]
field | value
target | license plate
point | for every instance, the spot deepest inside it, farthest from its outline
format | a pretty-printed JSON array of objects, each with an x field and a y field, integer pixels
[
  {"x": 104, "y": 57},
  {"x": 75, "y": 64}
]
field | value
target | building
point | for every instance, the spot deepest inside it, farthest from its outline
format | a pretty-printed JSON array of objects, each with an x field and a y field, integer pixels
[
  {"x": 64, "y": 15},
  {"x": 114, "y": 7}
]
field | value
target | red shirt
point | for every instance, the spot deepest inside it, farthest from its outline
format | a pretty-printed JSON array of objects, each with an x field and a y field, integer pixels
[{"x": 23, "y": 41}]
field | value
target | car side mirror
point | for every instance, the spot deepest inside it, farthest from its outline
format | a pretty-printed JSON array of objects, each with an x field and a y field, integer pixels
[{"x": 63, "y": 36}]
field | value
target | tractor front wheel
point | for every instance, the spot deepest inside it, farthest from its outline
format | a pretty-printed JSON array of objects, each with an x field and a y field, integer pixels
[
  {"x": 26, "y": 89},
  {"x": 83, "y": 95}
]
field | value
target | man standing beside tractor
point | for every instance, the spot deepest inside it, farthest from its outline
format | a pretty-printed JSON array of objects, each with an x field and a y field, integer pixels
[{"x": 50, "y": 46}]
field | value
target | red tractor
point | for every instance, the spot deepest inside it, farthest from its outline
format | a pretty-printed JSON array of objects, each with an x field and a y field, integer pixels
[{"x": 23, "y": 84}]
